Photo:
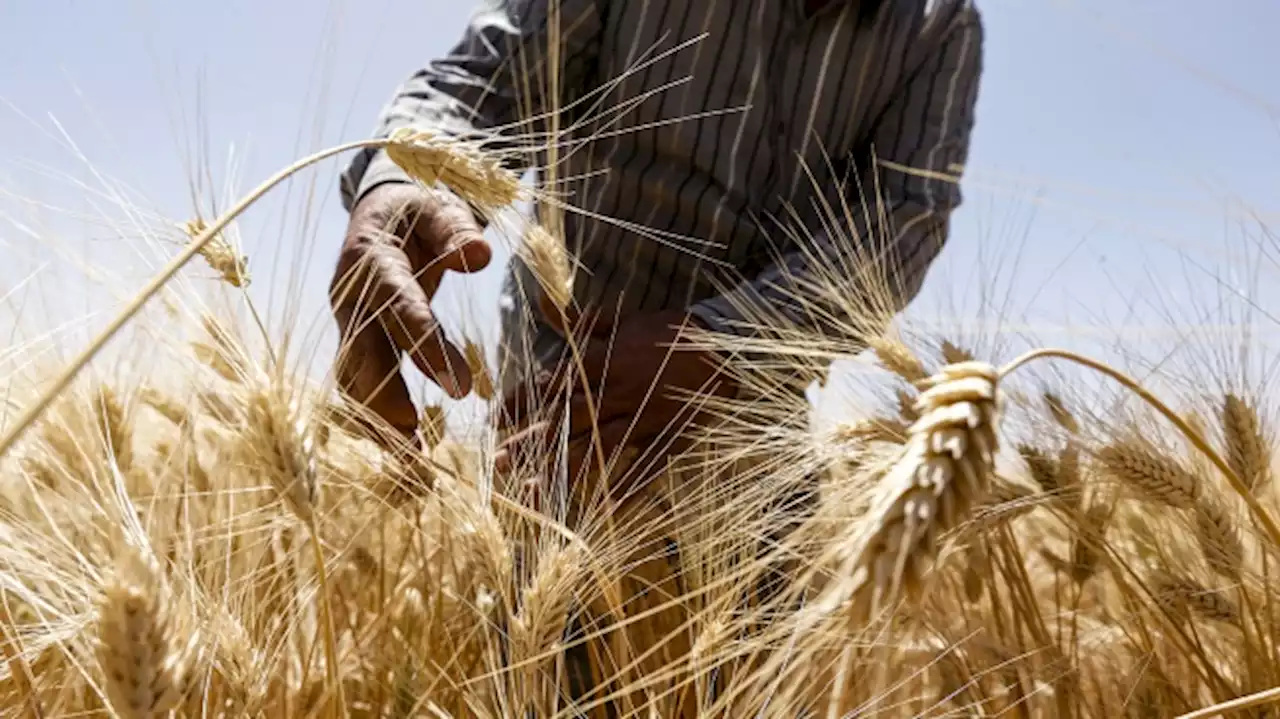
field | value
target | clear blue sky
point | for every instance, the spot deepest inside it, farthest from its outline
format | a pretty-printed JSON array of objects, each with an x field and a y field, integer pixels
[{"x": 1119, "y": 143}]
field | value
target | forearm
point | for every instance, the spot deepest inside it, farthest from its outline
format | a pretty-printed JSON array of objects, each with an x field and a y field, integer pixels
[{"x": 476, "y": 90}]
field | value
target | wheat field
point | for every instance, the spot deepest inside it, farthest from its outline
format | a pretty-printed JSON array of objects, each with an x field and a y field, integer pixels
[
  {"x": 234, "y": 540},
  {"x": 988, "y": 535}
]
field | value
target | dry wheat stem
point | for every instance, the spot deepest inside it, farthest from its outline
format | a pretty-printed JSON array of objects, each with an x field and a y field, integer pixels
[
  {"x": 1259, "y": 512},
  {"x": 153, "y": 286},
  {"x": 1267, "y": 696},
  {"x": 33, "y": 411}
]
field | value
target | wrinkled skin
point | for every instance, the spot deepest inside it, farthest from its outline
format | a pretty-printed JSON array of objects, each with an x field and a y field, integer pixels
[{"x": 401, "y": 239}]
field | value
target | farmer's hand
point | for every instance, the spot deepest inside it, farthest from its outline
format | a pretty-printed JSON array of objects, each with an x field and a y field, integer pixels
[
  {"x": 640, "y": 376},
  {"x": 400, "y": 241}
]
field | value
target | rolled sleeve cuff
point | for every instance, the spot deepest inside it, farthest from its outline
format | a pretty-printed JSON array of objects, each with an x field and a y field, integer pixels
[
  {"x": 720, "y": 314},
  {"x": 381, "y": 170}
]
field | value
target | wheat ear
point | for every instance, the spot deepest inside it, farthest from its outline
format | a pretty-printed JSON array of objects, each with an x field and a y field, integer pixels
[
  {"x": 1060, "y": 414},
  {"x": 1195, "y": 438},
  {"x": 1159, "y": 478},
  {"x": 898, "y": 359},
  {"x": 282, "y": 436},
  {"x": 432, "y": 425},
  {"x": 142, "y": 657},
  {"x": 548, "y": 259},
  {"x": 113, "y": 423},
  {"x": 945, "y": 468},
  {"x": 472, "y": 174},
  {"x": 953, "y": 353},
  {"x": 481, "y": 377},
  {"x": 1181, "y": 593},
  {"x": 1246, "y": 442},
  {"x": 1219, "y": 539},
  {"x": 231, "y": 266}
]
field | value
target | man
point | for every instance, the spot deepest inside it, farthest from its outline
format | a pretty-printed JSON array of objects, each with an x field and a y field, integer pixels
[{"x": 730, "y": 111}]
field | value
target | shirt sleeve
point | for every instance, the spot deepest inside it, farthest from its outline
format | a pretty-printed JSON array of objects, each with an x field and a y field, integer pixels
[
  {"x": 481, "y": 86},
  {"x": 919, "y": 148}
]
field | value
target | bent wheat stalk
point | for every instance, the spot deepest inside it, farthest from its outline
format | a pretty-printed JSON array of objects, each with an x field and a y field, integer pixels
[
  {"x": 1195, "y": 438},
  {"x": 406, "y": 145}
]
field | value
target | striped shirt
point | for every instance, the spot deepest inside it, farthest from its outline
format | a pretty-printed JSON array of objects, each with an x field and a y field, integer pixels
[{"x": 736, "y": 111}]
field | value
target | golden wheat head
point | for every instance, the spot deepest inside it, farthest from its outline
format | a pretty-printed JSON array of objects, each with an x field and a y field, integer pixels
[
  {"x": 945, "y": 468},
  {"x": 470, "y": 173},
  {"x": 143, "y": 658}
]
